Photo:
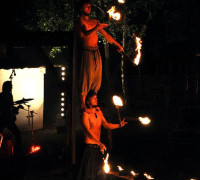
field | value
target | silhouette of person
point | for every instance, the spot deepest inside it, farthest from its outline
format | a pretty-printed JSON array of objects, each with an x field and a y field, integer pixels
[
  {"x": 8, "y": 113},
  {"x": 91, "y": 63}
]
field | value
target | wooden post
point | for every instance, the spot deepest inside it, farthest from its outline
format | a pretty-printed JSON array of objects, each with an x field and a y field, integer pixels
[
  {"x": 74, "y": 94},
  {"x": 73, "y": 120}
]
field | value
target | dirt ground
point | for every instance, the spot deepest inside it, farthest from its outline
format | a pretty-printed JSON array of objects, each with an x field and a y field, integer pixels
[{"x": 142, "y": 152}]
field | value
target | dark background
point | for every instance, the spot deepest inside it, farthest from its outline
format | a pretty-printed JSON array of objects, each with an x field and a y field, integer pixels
[{"x": 165, "y": 87}]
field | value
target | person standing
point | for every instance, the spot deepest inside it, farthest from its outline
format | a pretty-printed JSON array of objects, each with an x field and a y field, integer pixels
[
  {"x": 91, "y": 63},
  {"x": 8, "y": 113},
  {"x": 92, "y": 121}
]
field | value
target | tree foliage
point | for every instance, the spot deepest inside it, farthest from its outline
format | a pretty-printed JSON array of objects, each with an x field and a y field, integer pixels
[
  {"x": 168, "y": 18},
  {"x": 52, "y": 16}
]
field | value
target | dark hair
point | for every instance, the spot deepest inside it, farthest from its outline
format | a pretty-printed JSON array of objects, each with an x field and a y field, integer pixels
[
  {"x": 6, "y": 85},
  {"x": 81, "y": 3},
  {"x": 89, "y": 95}
]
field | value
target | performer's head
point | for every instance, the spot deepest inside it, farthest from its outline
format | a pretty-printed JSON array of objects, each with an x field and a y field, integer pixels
[
  {"x": 7, "y": 86},
  {"x": 84, "y": 7},
  {"x": 91, "y": 100}
]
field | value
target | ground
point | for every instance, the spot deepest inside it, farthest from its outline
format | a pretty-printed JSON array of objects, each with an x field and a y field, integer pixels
[{"x": 139, "y": 151}]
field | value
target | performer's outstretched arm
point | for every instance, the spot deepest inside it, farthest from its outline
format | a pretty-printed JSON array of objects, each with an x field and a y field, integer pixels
[
  {"x": 111, "y": 126},
  {"x": 110, "y": 39},
  {"x": 83, "y": 27}
]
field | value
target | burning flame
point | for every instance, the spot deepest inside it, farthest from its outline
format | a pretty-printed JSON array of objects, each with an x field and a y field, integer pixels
[
  {"x": 139, "y": 47},
  {"x": 117, "y": 101},
  {"x": 1, "y": 136},
  {"x": 134, "y": 173},
  {"x": 106, "y": 165},
  {"x": 35, "y": 149},
  {"x": 113, "y": 14},
  {"x": 121, "y": 1},
  {"x": 120, "y": 168},
  {"x": 144, "y": 120},
  {"x": 148, "y": 176}
]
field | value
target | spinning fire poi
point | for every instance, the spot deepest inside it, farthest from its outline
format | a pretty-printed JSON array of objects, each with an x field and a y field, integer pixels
[{"x": 113, "y": 14}]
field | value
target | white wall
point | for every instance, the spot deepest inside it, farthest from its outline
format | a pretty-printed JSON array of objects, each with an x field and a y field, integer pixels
[{"x": 28, "y": 83}]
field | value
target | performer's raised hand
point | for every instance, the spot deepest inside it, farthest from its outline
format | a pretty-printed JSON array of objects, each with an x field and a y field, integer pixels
[
  {"x": 123, "y": 123},
  {"x": 101, "y": 25}
]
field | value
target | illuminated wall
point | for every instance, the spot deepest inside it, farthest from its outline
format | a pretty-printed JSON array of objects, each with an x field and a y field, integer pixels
[{"x": 28, "y": 83}]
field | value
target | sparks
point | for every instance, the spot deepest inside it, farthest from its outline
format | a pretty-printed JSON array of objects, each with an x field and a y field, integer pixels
[
  {"x": 120, "y": 168},
  {"x": 106, "y": 165},
  {"x": 134, "y": 173},
  {"x": 138, "y": 49},
  {"x": 113, "y": 14},
  {"x": 148, "y": 176}
]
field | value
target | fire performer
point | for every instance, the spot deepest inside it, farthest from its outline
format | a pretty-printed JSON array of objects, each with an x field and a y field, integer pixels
[
  {"x": 94, "y": 149},
  {"x": 91, "y": 63}
]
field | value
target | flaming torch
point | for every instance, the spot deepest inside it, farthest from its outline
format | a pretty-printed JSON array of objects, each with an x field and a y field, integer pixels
[
  {"x": 138, "y": 49},
  {"x": 106, "y": 165},
  {"x": 144, "y": 120},
  {"x": 113, "y": 14},
  {"x": 148, "y": 176},
  {"x": 118, "y": 103}
]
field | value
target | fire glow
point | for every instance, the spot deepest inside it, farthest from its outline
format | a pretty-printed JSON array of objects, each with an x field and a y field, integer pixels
[
  {"x": 113, "y": 14},
  {"x": 120, "y": 168},
  {"x": 35, "y": 149},
  {"x": 121, "y": 1},
  {"x": 138, "y": 49},
  {"x": 117, "y": 101},
  {"x": 1, "y": 140},
  {"x": 106, "y": 165},
  {"x": 144, "y": 120},
  {"x": 134, "y": 174},
  {"x": 148, "y": 176}
]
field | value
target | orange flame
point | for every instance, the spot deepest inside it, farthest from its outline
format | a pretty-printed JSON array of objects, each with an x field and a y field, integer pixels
[
  {"x": 144, "y": 120},
  {"x": 117, "y": 101},
  {"x": 1, "y": 136},
  {"x": 106, "y": 165},
  {"x": 35, "y": 149},
  {"x": 120, "y": 168},
  {"x": 138, "y": 49},
  {"x": 134, "y": 173},
  {"x": 148, "y": 176},
  {"x": 113, "y": 14}
]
